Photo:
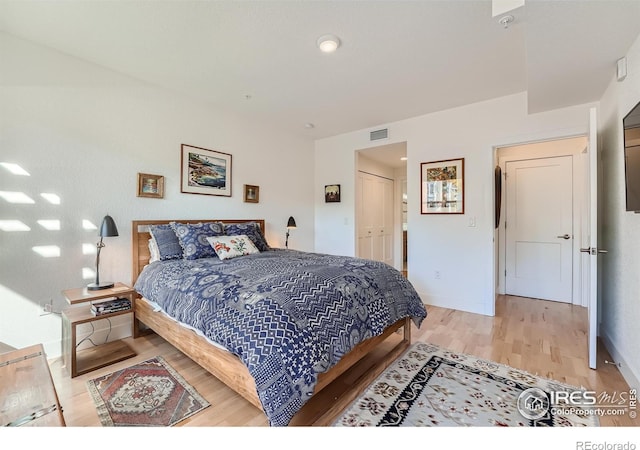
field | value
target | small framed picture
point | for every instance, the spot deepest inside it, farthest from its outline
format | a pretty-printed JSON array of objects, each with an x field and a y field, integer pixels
[
  {"x": 332, "y": 193},
  {"x": 442, "y": 187},
  {"x": 251, "y": 193},
  {"x": 151, "y": 186}
]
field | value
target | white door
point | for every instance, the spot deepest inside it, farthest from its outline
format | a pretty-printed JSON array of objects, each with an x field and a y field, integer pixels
[
  {"x": 365, "y": 219},
  {"x": 375, "y": 218},
  {"x": 539, "y": 228},
  {"x": 592, "y": 250}
]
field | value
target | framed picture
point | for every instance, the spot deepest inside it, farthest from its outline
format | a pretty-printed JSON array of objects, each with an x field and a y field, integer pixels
[
  {"x": 150, "y": 185},
  {"x": 332, "y": 193},
  {"x": 442, "y": 187},
  {"x": 251, "y": 193},
  {"x": 205, "y": 171}
]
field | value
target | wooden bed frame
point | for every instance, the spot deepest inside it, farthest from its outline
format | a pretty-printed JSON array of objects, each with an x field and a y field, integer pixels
[{"x": 224, "y": 365}]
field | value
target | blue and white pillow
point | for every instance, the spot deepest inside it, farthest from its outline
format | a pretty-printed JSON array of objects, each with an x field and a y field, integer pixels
[
  {"x": 252, "y": 230},
  {"x": 193, "y": 238},
  {"x": 166, "y": 241}
]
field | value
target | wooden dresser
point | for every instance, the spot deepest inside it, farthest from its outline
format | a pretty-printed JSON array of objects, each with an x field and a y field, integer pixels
[{"x": 28, "y": 396}]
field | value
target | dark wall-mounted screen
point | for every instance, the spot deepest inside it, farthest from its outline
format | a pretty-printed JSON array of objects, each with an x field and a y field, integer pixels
[{"x": 631, "y": 125}]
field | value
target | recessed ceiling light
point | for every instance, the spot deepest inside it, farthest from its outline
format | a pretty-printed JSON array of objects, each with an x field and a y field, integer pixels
[
  {"x": 328, "y": 43},
  {"x": 309, "y": 125}
]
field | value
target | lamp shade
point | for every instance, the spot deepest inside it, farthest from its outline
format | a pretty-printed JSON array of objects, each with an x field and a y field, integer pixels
[
  {"x": 108, "y": 227},
  {"x": 291, "y": 223}
]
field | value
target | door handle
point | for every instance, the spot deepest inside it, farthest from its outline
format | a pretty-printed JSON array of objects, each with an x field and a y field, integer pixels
[
  {"x": 593, "y": 251},
  {"x": 564, "y": 236}
]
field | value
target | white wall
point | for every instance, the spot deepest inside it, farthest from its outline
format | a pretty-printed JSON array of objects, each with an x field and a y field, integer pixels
[
  {"x": 83, "y": 133},
  {"x": 620, "y": 230},
  {"x": 463, "y": 255}
]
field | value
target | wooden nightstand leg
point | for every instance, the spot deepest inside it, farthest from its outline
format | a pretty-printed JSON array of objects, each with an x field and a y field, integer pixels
[
  {"x": 74, "y": 367},
  {"x": 135, "y": 323},
  {"x": 66, "y": 343}
]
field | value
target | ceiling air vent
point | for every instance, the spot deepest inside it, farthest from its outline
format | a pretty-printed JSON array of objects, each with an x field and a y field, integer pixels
[{"x": 379, "y": 134}]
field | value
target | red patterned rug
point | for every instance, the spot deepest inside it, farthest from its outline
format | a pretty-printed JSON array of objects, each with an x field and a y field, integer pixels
[{"x": 150, "y": 393}]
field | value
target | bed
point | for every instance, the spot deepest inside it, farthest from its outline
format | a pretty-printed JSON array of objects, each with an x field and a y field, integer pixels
[{"x": 277, "y": 325}]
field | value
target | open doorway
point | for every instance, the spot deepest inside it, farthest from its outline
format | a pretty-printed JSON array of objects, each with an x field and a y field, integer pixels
[
  {"x": 381, "y": 204},
  {"x": 542, "y": 219}
]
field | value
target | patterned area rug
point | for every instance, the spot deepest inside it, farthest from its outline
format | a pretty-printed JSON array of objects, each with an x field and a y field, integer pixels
[
  {"x": 430, "y": 386},
  {"x": 150, "y": 393}
]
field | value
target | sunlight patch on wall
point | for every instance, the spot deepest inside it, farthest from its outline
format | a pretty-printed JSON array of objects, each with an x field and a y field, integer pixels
[
  {"x": 14, "y": 169},
  {"x": 88, "y": 274},
  {"x": 51, "y": 198},
  {"x": 89, "y": 249},
  {"x": 88, "y": 225},
  {"x": 52, "y": 225},
  {"x": 47, "y": 251},
  {"x": 13, "y": 225},
  {"x": 16, "y": 197}
]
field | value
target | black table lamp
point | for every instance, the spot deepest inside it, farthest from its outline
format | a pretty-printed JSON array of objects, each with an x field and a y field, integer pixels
[
  {"x": 107, "y": 229},
  {"x": 290, "y": 224}
]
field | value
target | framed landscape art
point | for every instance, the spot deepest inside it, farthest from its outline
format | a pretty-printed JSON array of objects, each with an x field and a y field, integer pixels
[
  {"x": 442, "y": 187},
  {"x": 205, "y": 171},
  {"x": 251, "y": 193},
  {"x": 150, "y": 185}
]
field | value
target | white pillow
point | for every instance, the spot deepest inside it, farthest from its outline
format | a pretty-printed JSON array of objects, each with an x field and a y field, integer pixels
[
  {"x": 227, "y": 247},
  {"x": 154, "y": 252}
]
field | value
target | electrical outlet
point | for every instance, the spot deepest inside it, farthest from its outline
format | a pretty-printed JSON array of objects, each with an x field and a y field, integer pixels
[
  {"x": 46, "y": 307},
  {"x": 436, "y": 274}
]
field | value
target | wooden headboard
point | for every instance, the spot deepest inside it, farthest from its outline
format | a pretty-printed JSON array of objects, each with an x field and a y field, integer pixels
[{"x": 140, "y": 236}]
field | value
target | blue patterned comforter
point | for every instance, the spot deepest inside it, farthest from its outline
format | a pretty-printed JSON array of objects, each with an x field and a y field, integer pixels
[{"x": 288, "y": 315}]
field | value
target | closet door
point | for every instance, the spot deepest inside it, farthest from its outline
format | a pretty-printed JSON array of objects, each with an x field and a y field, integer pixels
[
  {"x": 366, "y": 216},
  {"x": 375, "y": 218}
]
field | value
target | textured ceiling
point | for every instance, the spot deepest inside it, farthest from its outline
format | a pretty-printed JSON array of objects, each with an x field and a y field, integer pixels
[{"x": 398, "y": 59}]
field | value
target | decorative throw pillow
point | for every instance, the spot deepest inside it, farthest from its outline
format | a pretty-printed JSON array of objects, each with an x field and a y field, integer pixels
[
  {"x": 193, "y": 238},
  {"x": 227, "y": 247},
  {"x": 154, "y": 253},
  {"x": 166, "y": 241},
  {"x": 252, "y": 230}
]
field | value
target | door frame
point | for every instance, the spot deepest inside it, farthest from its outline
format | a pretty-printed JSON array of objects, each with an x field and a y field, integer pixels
[{"x": 536, "y": 150}]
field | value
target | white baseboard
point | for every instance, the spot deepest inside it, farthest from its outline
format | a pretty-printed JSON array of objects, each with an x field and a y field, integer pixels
[
  {"x": 453, "y": 303},
  {"x": 627, "y": 372}
]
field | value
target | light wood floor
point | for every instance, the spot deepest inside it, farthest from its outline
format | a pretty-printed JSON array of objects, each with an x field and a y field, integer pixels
[{"x": 544, "y": 338}]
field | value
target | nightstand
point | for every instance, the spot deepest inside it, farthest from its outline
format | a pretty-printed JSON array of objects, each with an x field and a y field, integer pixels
[{"x": 79, "y": 362}]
